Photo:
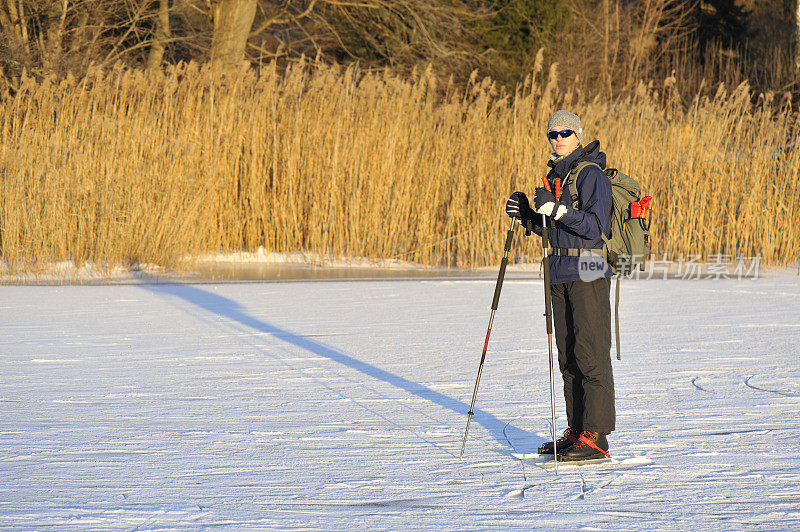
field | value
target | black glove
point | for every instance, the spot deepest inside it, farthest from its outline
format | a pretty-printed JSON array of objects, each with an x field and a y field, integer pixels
[
  {"x": 518, "y": 207},
  {"x": 546, "y": 203},
  {"x": 541, "y": 198}
]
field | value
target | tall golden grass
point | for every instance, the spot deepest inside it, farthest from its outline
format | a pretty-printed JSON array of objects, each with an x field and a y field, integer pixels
[{"x": 125, "y": 166}]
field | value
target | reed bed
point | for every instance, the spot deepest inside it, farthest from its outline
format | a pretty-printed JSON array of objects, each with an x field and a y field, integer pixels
[{"x": 127, "y": 167}]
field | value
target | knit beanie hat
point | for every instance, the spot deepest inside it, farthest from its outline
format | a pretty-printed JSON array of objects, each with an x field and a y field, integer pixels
[{"x": 566, "y": 120}]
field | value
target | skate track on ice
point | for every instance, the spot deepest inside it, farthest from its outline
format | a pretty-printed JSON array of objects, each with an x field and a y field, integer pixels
[{"x": 341, "y": 404}]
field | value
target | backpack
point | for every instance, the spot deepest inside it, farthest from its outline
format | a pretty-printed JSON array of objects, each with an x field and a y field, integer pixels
[{"x": 628, "y": 245}]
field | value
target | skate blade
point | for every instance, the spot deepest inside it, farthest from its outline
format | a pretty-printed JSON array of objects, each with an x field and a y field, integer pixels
[
  {"x": 580, "y": 463},
  {"x": 546, "y": 462}
]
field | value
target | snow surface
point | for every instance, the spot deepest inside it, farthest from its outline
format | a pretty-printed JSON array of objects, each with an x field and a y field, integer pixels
[{"x": 342, "y": 405}]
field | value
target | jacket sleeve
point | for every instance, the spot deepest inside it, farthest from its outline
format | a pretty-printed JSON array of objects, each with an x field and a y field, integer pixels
[{"x": 593, "y": 219}]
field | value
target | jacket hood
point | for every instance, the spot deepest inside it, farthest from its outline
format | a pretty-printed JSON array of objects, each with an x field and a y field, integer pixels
[
  {"x": 593, "y": 154},
  {"x": 590, "y": 153}
]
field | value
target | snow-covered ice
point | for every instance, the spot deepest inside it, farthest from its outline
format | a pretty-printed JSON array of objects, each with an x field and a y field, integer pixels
[{"x": 342, "y": 404}]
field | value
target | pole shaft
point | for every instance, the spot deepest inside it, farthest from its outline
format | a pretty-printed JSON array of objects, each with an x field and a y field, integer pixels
[
  {"x": 552, "y": 399},
  {"x": 548, "y": 312},
  {"x": 616, "y": 318},
  {"x": 501, "y": 274}
]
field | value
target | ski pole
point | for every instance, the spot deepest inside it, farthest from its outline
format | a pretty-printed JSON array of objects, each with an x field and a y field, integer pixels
[
  {"x": 497, "y": 287},
  {"x": 548, "y": 313},
  {"x": 549, "y": 319}
]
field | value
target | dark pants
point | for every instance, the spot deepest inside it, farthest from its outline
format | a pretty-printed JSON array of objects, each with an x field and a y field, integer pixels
[{"x": 582, "y": 318}]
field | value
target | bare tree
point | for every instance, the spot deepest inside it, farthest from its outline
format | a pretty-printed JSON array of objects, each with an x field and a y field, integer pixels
[
  {"x": 797, "y": 37},
  {"x": 162, "y": 35},
  {"x": 377, "y": 33},
  {"x": 632, "y": 38},
  {"x": 233, "y": 20},
  {"x": 57, "y": 36},
  {"x": 35, "y": 28}
]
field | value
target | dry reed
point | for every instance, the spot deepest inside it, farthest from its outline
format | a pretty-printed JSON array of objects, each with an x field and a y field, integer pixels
[{"x": 126, "y": 167}]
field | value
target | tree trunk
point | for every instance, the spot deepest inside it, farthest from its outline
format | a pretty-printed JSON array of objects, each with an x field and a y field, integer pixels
[
  {"x": 12, "y": 20},
  {"x": 52, "y": 46},
  {"x": 797, "y": 37},
  {"x": 156, "y": 55},
  {"x": 233, "y": 20}
]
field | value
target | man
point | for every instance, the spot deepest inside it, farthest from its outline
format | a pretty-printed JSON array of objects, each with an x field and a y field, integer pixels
[{"x": 577, "y": 221}]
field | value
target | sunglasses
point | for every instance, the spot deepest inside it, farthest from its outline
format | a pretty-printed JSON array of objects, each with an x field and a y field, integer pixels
[{"x": 553, "y": 135}]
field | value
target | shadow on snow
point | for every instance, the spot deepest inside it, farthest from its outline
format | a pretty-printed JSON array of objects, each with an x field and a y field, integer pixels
[{"x": 227, "y": 308}]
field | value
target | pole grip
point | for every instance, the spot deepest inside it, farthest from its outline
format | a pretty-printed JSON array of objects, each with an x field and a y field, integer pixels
[
  {"x": 503, "y": 264},
  {"x": 499, "y": 284},
  {"x": 509, "y": 238}
]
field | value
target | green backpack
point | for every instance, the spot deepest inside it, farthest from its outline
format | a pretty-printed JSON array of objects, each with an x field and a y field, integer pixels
[{"x": 628, "y": 245}]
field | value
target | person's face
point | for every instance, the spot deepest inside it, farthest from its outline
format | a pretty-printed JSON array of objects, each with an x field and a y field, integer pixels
[{"x": 565, "y": 141}]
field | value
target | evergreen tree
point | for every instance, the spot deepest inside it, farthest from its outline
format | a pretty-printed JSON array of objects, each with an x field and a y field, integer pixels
[
  {"x": 723, "y": 21},
  {"x": 518, "y": 28}
]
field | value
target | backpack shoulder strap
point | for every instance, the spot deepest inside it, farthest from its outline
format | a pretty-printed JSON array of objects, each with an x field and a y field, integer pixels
[{"x": 570, "y": 186}]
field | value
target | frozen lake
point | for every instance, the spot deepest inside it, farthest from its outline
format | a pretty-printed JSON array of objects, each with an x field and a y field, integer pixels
[{"x": 341, "y": 404}]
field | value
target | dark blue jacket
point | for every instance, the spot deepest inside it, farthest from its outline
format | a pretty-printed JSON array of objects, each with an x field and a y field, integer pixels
[{"x": 581, "y": 227}]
